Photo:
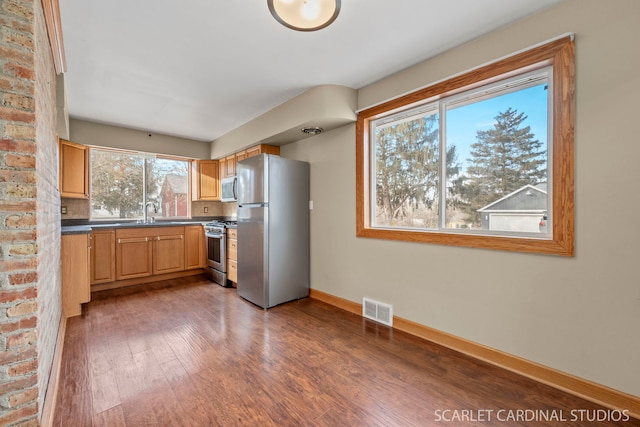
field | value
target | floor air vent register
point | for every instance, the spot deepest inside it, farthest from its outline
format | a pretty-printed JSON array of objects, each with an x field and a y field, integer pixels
[{"x": 377, "y": 311}]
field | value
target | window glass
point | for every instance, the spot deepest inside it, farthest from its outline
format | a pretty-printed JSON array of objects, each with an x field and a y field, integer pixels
[
  {"x": 407, "y": 164},
  {"x": 123, "y": 183},
  {"x": 494, "y": 171},
  {"x": 483, "y": 159},
  {"x": 499, "y": 182}
]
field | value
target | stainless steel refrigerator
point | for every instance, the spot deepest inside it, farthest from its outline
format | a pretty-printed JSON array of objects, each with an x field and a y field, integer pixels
[{"x": 273, "y": 230}]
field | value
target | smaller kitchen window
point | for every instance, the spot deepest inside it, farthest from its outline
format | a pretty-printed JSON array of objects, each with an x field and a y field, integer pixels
[{"x": 123, "y": 183}]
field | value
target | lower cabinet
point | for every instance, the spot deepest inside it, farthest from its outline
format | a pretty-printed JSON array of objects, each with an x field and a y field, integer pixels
[
  {"x": 120, "y": 254},
  {"x": 232, "y": 255},
  {"x": 103, "y": 256},
  {"x": 168, "y": 252},
  {"x": 193, "y": 247},
  {"x": 76, "y": 287},
  {"x": 143, "y": 252}
]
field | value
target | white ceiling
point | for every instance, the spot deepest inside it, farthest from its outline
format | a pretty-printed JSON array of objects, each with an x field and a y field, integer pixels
[{"x": 201, "y": 68}]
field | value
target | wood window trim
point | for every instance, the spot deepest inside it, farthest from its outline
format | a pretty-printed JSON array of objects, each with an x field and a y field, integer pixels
[{"x": 559, "y": 54}]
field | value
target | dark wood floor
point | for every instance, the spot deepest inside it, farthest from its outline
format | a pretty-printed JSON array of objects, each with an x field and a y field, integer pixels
[{"x": 191, "y": 353}]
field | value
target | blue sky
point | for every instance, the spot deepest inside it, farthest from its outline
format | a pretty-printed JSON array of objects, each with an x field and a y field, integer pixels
[{"x": 464, "y": 122}]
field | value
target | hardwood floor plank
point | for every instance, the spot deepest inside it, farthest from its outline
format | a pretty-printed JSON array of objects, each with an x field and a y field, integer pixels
[
  {"x": 187, "y": 352},
  {"x": 104, "y": 391},
  {"x": 113, "y": 417}
]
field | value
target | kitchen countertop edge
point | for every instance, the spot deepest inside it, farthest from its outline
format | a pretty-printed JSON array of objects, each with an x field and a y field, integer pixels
[{"x": 88, "y": 228}]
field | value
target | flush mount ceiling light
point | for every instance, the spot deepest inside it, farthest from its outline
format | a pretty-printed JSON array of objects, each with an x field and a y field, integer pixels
[{"x": 305, "y": 15}]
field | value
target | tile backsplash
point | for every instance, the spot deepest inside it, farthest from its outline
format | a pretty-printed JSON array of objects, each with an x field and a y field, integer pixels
[
  {"x": 76, "y": 208},
  {"x": 81, "y": 209},
  {"x": 212, "y": 208}
]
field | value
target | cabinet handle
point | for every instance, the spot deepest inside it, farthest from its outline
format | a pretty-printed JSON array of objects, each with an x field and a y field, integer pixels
[{"x": 132, "y": 240}]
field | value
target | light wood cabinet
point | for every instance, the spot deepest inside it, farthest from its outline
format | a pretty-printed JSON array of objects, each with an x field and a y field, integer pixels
[
  {"x": 74, "y": 170},
  {"x": 230, "y": 166},
  {"x": 144, "y": 252},
  {"x": 193, "y": 247},
  {"x": 134, "y": 257},
  {"x": 232, "y": 254},
  {"x": 103, "y": 256},
  {"x": 76, "y": 288},
  {"x": 223, "y": 168},
  {"x": 168, "y": 253},
  {"x": 262, "y": 149},
  {"x": 240, "y": 156},
  {"x": 205, "y": 180}
]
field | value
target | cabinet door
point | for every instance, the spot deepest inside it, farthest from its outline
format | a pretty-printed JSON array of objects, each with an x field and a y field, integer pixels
[
  {"x": 230, "y": 164},
  {"x": 222, "y": 164},
  {"x": 232, "y": 273},
  {"x": 75, "y": 273},
  {"x": 208, "y": 180},
  {"x": 133, "y": 257},
  {"x": 193, "y": 247},
  {"x": 103, "y": 256},
  {"x": 262, "y": 149},
  {"x": 253, "y": 151},
  {"x": 74, "y": 173},
  {"x": 168, "y": 254},
  {"x": 232, "y": 254}
]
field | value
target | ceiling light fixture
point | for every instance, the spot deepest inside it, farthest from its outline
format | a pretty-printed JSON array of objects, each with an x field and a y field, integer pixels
[{"x": 305, "y": 15}]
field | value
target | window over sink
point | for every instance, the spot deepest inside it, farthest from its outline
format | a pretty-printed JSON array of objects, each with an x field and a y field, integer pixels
[{"x": 123, "y": 183}]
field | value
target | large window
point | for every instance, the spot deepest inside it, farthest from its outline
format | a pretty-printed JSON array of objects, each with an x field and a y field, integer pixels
[
  {"x": 123, "y": 184},
  {"x": 484, "y": 159}
]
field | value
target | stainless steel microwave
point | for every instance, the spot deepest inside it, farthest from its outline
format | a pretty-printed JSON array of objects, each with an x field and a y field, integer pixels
[{"x": 229, "y": 189}]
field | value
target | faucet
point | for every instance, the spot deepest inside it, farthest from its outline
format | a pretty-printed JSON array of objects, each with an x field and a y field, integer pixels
[{"x": 155, "y": 210}]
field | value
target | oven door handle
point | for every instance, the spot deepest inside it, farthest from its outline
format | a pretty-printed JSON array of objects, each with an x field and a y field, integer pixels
[{"x": 214, "y": 235}]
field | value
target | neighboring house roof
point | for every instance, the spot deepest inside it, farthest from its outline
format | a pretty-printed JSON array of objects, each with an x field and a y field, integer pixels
[
  {"x": 527, "y": 198},
  {"x": 176, "y": 183}
]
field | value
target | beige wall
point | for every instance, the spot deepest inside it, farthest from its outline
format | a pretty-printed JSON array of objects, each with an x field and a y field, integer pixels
[
  {"x": 326, "y": 106},
  {"x": 580, "y": 315},
  {"x": 91, "y": 133}
]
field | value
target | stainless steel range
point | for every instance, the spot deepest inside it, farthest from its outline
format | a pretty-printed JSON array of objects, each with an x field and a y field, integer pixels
[{"x": 216, "y": 237}]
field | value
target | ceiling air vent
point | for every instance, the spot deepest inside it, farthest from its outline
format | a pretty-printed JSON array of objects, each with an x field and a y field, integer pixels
[{"x": 378, "y": 311}]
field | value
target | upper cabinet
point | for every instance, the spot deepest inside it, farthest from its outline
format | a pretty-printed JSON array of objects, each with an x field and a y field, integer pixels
[
  {"x": 228, "y": 164},
  {"x": 262, "y": 149},
  {"x": 74, "y": 170},
  {"x": 206, "y": 182}
]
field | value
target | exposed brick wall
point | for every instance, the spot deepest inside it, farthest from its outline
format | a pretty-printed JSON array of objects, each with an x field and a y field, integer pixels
[
  {"x": 47, "y": 206},
  {"x": 30, "y": 306}
]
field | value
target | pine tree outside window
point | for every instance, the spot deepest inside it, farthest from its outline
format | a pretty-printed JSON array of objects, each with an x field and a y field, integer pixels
[{"x": 482, "y": 160}]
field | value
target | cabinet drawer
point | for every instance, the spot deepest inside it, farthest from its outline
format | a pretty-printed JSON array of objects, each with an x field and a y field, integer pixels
[
  {"x": 232, "y": 233},
  {"x": 232, "y": 249},
  {"x": 232, "y": 273}
]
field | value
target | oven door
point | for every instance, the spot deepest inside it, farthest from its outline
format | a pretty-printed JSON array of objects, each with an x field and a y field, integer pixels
[{"x": 217, "y": 251}]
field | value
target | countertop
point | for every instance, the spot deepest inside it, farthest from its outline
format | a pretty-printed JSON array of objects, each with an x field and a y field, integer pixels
[{"x": 88, "y": 228}]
